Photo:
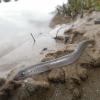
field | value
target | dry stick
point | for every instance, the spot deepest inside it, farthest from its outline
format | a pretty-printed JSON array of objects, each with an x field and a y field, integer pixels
[
  {"x": 33, "y": 37},
  {"x": 58, "y": 32}
]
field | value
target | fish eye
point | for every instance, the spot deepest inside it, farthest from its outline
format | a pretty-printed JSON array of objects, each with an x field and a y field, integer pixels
[{"x": 22, "y": 73}]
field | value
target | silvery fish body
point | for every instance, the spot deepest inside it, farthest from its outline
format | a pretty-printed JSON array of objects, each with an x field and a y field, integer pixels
[{"x": 56, "y": 63}]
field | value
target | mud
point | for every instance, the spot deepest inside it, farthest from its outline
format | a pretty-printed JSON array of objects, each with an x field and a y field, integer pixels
[{"x": 78, "y": 81}]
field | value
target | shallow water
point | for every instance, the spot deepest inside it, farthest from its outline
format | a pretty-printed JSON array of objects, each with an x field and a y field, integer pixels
[{"x": 17, "y": 21}]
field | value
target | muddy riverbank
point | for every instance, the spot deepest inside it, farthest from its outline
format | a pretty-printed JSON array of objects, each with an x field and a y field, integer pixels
[{"x": 78, "y": 81}]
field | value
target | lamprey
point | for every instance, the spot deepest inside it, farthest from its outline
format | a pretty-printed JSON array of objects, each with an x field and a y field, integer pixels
[{"x": 56, "y": 63}]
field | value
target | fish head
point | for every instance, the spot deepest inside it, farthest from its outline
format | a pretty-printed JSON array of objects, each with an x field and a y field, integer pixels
[{"x": 20, "y": 75}]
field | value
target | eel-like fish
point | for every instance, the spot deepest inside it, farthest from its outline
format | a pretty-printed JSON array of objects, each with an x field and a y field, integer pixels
[{"x": 56, "y": 63}]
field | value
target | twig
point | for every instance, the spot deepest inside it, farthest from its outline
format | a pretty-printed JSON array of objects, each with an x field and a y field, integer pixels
[
  {"x": 58, "y": 32},
  {"x": 60, "y": 29},
  {"x": 33, "y": 38}
]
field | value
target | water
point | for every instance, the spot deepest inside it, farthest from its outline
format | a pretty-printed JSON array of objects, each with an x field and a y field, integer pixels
[{"x": 19, "y": 19}]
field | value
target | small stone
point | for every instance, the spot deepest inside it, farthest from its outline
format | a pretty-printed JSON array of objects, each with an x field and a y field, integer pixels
[
  {"x": 57, "y": 75},
  {"x": 44, "y": 49}
]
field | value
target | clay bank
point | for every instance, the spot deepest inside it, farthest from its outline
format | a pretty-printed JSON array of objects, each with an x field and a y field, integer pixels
[
  {"x": 71, "y": 82},
  {"x": 77, "y": 81}
]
